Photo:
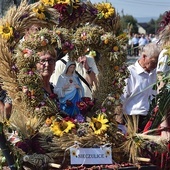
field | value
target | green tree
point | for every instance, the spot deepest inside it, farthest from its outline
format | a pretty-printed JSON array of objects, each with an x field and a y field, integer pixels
[
  {"x": 129, "y": 24},
  {"x": 154, "y": 25}
]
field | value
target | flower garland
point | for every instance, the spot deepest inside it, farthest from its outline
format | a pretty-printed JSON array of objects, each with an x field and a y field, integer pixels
[{"x": 41, "y": 128}]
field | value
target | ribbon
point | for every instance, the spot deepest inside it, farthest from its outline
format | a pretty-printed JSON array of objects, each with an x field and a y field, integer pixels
[{"x": 76, "y": 145}]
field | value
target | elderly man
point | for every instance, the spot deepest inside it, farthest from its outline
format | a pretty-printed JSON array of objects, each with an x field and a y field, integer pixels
[{"x": 139, "y": 85}]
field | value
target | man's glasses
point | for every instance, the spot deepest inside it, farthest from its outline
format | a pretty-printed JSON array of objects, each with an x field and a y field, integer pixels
[{"x": 44, "y": 61}]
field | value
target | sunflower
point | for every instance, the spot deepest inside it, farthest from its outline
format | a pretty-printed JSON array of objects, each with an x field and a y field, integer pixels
[
  {"x": 48, "y": 2},
  {"x": 59, "y": 128},
  {"x": 68, "y": 2},
  {"x": 6, "y": 31},
  {"x": 40, "y": 12},
  {"x": 105, "y": 10},
  {"x": 99, "y": 124}
]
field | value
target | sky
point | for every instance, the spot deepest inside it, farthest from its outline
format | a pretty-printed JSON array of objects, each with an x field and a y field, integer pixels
[{"x": 140, "y": 8}]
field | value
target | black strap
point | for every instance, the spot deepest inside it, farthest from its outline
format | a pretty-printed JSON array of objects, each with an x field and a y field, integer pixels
[{"x": 84, "y": 80}]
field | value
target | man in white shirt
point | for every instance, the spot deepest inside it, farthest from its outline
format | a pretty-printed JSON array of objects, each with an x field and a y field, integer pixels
[
  {"x": 139, "y": 85},
  {"x": 142, "y": 41},
  {"x": 135, "y": 43},
  {"x": 85, "y": 66}
]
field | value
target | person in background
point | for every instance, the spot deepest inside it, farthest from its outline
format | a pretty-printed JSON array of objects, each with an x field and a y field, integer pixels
[
  {"x": 142, "y": 41},
  {"x": 155, "y": 38},
  {"x": 129, "y": 45},
  {"x": 139, "y": 85},
  {"x": 135, "y": 44},
  {"x": 69, "y": 90},
  {"x": 85, "y": 66}
]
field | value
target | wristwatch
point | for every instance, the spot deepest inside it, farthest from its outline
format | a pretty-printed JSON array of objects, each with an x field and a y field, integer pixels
[{"x": 89, "y": 70}]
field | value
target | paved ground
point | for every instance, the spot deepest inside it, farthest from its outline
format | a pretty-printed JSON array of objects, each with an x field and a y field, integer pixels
[{"x": 131, "y": 59}]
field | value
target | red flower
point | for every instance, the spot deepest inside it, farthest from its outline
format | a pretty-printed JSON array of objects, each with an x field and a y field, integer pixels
[
  {"x": 88, "y": 101},
  {"x": 81, "y": 105},
  {"x": 61, "y": 8},
  {"x": 69, "y": 119}
]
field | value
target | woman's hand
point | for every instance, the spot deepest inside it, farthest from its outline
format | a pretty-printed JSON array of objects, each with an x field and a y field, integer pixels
[
  {"x": 66, "y": 86},
  {"x": 77, "y": 86}
]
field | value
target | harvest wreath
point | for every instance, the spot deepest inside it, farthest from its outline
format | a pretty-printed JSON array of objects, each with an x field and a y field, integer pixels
[{"x": 37, "y": 134}]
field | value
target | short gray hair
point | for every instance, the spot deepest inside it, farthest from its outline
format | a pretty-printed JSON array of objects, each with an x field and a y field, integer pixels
[{"x": 151, "y": 50}]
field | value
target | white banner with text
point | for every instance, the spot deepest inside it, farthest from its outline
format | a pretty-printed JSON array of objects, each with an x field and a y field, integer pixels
[{"x": 87, "y": 156}]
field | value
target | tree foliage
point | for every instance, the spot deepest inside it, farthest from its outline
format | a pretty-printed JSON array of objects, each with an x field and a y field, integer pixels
[
  {"x": 153, "y": 25},
  {"x": 129, "y": 23}
]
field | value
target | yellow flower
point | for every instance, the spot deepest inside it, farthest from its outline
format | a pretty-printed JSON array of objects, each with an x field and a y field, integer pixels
[
  {"x": 92, "y": 53},
  {"x": 105, "y": 9},
  {"x": 6, "y": 31},
  {"x": 69, "y": 2},
  {"x": 115, "y": 48},
  {"x": 106, "y": 41},
  {"x": 39, "y": 12},
  {"x": 48, "y": 2},
  {"x": 59, "y": 128},
  {"x": 99, "y": 124},
  {"x": 63, "y": 2},
  {"x": 116, "y": 68}
]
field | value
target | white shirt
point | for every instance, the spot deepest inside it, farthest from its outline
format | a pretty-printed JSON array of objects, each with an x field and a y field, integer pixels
[
  {"x": 138, "y": 90},
  {"x": 135, "y": 40},
  {"x": 60, "y": 66},
  {"x": 142, "y": 41}
]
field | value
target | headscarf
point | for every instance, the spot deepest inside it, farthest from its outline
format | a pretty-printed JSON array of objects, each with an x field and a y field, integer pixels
[{"x": 68, "y": 64}]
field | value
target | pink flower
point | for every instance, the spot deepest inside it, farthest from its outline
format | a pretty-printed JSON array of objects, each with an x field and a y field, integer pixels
[
  {"x": 103, "y": 109},
  {"x": 30, "y": 72}
]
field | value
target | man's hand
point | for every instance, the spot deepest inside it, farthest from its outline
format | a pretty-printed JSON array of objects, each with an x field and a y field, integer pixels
[{"x": 83, "y": 60}]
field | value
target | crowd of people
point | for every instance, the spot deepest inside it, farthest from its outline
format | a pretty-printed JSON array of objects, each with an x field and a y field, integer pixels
[{"x": 137, "y": 41}]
